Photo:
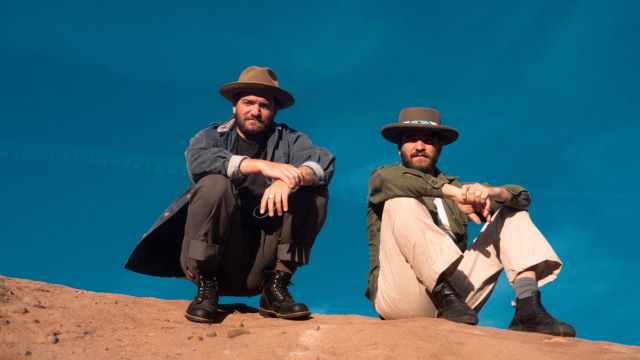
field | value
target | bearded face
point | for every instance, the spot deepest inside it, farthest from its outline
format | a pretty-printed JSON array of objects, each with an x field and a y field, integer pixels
[
  {"x": 254, "y": 115},
  {"x": 420, "y": 151}
]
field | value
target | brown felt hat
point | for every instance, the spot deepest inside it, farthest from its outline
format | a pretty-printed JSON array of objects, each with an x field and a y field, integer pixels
[
  {"x": 419, "y": 118},
  {"x": 261, "y": 80}
]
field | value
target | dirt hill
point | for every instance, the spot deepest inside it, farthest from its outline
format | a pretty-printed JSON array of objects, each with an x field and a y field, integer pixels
[{"x": 45, "y": 321}]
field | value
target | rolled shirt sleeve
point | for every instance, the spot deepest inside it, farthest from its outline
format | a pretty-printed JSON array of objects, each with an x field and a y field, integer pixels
[{"x": 318, "y": 159}]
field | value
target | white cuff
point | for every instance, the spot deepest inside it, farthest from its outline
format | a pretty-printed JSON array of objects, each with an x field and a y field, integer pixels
[{"x": 233, "y": 169}]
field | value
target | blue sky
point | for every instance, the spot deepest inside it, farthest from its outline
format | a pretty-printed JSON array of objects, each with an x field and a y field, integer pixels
[{"x": 98, "y": 101}]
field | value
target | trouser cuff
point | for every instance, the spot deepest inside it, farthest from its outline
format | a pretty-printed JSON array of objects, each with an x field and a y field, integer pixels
[
  {"x": 203, "y": 251},
  {"x": 298, "y": 254}
]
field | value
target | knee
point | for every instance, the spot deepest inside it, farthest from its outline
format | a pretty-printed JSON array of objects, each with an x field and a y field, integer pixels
[
  {"x": 317, "y": 197},
  {"x": 405, "y": 207},
  {"x": 211, "y": 188}
]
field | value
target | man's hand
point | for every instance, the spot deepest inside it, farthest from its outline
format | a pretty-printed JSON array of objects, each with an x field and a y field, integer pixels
[
  {"x": 453, "y": 193},
  {"x": 475, "y": 198},
  {"x": 275, "y": 199},
  {"x": 289, "y": 174}
]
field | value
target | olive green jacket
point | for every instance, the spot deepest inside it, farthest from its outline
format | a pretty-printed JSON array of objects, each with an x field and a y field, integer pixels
[{"x": 391, "y": 181}]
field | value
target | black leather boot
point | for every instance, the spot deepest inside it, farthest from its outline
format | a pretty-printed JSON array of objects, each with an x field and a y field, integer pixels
[
  {"x": 276, "y": 301},
  {"x": 204, "y": 307},
  {"x": 531, "y": 316},
  {"x": 450, "y": 306}
]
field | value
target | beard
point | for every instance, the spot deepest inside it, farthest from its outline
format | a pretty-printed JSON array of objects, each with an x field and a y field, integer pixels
[
  {"x": 259, "y": 128},
  {"x": 420, "y": 161}
]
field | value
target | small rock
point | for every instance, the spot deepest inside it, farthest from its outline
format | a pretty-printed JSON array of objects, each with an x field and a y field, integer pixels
[
  {"x": 212, "y": 334},
  {"x": 36, "y": 321},
  {"x": 317, "y": 328},
  {"x": 27, "y": 353},
  {"x": 22, "y": 310},
  {"x": 237, "y": 332},
  {"x": 194, "y": 338},
  {"x": 7, "y": 322},
  {"x": 31, "y": 301},
  {"x": 53, "y": 339},
  {"x": 115, "y": 301},
  {"x": 240, "y": 325},
  {"x": 55, "y": 332}
]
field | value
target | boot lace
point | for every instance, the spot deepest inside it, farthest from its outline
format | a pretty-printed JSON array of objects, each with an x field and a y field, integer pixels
[
  {"x": 281, "y": 284},
  {"x": 207, "y": 288}
]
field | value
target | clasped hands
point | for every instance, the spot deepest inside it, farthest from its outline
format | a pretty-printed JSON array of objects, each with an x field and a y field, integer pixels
[{"x": 474, "y": 199}]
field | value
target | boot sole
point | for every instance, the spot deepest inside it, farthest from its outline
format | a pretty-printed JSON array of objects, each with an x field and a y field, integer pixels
[
  {"x": 270, "y": 313},
  {"x": 199, "y": 319}
]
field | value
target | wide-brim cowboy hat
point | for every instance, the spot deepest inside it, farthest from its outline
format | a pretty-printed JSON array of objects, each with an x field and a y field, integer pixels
[
  {"x": 261, "y": 80},
  {"x": 419, "y": 118}
]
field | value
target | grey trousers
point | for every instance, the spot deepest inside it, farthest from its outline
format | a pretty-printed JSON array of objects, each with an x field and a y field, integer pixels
[{"x": 219, "y": 236}]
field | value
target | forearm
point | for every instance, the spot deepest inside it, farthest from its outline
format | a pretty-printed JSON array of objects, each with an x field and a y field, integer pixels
[
  {"x": 396, "y": 181},
  {"x": 251, "y": 166}
]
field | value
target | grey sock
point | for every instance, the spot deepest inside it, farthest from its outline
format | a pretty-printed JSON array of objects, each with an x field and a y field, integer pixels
[{"x": 525, "y": 287}]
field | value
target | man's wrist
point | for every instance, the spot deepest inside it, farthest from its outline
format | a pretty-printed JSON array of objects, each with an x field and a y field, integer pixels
[{"x": 308, "y": 174}]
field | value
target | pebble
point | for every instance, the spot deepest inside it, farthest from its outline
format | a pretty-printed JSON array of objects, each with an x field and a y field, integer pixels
[
  {"x": 27, "y": 353},
  {"x": 212, "y": 334},
  {"x": 317, "y": 328},
  {"x": 36, "y": 321},
  {"x": 22, "y": 310},
  {"x": 31, "y": 301},
  {"x": 237, "y": 332},
  {"x": 53, "y": 339},
  {"x": 194, "y": 337}
]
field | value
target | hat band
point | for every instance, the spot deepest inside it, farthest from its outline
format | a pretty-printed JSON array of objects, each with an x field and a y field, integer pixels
[{"x": 422, "y": 122}]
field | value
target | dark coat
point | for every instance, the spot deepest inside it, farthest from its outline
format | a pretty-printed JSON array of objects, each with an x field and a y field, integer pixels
[{"x": 210, "y": 152}]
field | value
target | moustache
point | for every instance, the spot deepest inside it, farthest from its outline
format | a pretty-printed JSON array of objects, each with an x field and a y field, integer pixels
[{"x": 419, "y": 154}]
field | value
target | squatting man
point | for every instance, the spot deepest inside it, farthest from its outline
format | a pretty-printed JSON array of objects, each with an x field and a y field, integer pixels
[
  {"x": 257, "y": 201},
  {"x": 417, "y": 228}
]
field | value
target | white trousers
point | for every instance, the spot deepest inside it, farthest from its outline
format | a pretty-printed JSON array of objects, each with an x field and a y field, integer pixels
[{"x": 414, "y": 251}]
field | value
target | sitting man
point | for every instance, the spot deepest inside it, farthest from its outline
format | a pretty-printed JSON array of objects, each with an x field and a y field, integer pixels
[
  {"x": 257, "y": 201},
  {"x": 417, "y": 227}
]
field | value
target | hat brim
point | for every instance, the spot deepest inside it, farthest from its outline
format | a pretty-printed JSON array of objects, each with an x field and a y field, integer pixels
[
  {"x": 283, "y": 97},
  {"x": 393, "y": 132}
]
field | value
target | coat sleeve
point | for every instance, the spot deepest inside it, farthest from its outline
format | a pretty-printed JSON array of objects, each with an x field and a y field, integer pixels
[
  {"x": 206, "y": 155},
  {"x": 389, "y": 182},
  {"x": 319, "y": 159}
]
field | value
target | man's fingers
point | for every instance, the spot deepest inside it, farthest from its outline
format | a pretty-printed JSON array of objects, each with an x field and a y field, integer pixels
[
  {"x": 270, "y": 205},
  {"x": 278, "y": 203},
  {"x": 285, "y": 202},
  {"x": 487, "y": 210},
  {"x": 463, "y": 192},
  {"x": 263, "y": 202}
]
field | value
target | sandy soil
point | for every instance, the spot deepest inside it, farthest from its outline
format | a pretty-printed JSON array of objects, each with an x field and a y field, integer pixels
[{"x": 45, "y": 321}]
